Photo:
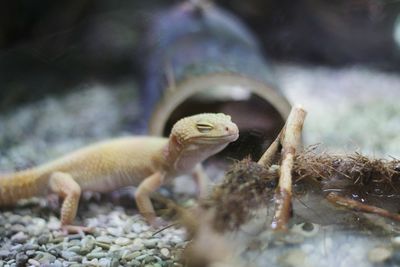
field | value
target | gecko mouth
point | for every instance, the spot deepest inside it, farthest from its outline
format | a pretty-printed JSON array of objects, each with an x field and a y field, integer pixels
[{"x": 218, "y": 139}]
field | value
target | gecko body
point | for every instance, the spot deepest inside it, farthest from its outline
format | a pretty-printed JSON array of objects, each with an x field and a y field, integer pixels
[{"x": 141, "y": 161}]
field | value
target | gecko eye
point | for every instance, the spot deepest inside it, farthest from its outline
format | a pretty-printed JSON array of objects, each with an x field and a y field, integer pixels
[{"x": 204, "y": 127}]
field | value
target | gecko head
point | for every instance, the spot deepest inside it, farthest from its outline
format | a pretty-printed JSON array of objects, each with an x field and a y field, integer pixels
[{"x": 206, "y": 129}]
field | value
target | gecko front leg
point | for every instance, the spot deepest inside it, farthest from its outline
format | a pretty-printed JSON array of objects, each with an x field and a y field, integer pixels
[
  {"x": 142, "y": 196},
  {"x": 202, "y": 181}
]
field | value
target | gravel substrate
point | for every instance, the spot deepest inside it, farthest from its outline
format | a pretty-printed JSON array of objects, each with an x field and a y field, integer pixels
[
  {"x": 33, "y": 238},
  {"x": 349, "y": 109}
]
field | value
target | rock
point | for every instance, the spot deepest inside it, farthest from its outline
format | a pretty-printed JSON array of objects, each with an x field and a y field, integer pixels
[
  {"x": 149, "y": 259},
  {"x": 76, "y": 249},
  {"x": 105, "y": 239},
  {"x": 137, "y": 228},
  {"x": 115, "y": 231},
  {"x": 19, "y": 237},
  {"x": 4, "y": 253},
  {"x": 122, "y": 241},
  {"x": 96, "y": 255},
  {"x": 68, "y": 255},
  {"x": 396, "y": 241},
  {"x": 135, "y": 263},
  {"x": 104, "y": 262},
  {"x": 33, "y": 262},
  {"x": 379, "y": 254},
  {"x": 165, "y": 253},
  {"x": 114, "y": 262},
  {"x": 131, "y": 256},
  {"x": 45, "y": 258},
  {"x": 43, "y": 239},
  {"x": 21, "y": 259},
  {"x": 30, "y": 247},
  {"x": 150, "y": 243},
  {"x": 138, "y": 242},
  {"x": 30, "y": 253},
  {"x": 103, "y": 245},
  {"x": 87, "y": 244},
  {"x": 294, "y": 258},
  {"x": 17, "y": 228}
]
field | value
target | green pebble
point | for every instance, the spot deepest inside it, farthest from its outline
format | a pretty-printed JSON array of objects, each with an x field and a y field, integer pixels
[
  {"x": 87, "y": 244},
  {"x": 96, "y": 255},
  {"x": 103, "y": 245},
  {"x": 134, "y": 263},
  {"x": 132, "y": 256},
  {"x": 75, "y": 249}
]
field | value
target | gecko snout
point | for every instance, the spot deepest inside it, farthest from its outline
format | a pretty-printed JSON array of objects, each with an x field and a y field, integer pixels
[{"x": 231, "y": 129}]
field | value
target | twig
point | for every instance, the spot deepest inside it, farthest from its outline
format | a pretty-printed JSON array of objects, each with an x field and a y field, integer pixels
[
  {"x": 357, "y": 206},
  {"x": 290, "y": 140},
  {"x": 269, "y": 155}
]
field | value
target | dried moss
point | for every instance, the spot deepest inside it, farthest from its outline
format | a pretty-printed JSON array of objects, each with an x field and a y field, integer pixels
[
  {"x": 355, "y": 176},
  {"x": 246, "y": 186}
]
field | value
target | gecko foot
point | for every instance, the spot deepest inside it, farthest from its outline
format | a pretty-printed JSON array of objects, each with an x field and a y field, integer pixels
[{"x": 76, "y": 229}]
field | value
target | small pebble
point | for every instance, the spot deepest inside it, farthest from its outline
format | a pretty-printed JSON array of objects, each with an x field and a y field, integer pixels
[
  {"x": 30, "y": 247},
  {"x": 103, "y": 245},
  {"x": 43, "y": 239},
  {"x": 165, "y": 253},
  {"x": 115, "y": 231},
  {"x": 150, "y": 243},
  {"x": 137, "y": 228},
  {"x": 122, "y": 241},
  {"x": 105, "y": 239},
  {"x": 19, "y": 237},
  {"x": 135, "y": 263},
  {"x": 396, "y": 241},
  {"x": 379, "y": 254},
  {"x": 96, "y": 255},
  {"x": 104, "y": 262},
  {"x": 33, "y": 262},
  {"x": 30, "y": 253},
  {"x": 4, "y": 253},
  {"x": 132, "y": 256},
  {"x": 68, "y": 255},
  {"x": 45, "y": 258},
  {"x": 17, "y": 228},
  {"x": 75, "y": 249},
  {"x": 138, "y": 242},
  {"x": 21, "y": 259},
  {"x": 87, "y": 244}
]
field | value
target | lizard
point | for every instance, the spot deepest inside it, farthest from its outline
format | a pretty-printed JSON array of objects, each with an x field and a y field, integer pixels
[{"x": 142, "y": 161}]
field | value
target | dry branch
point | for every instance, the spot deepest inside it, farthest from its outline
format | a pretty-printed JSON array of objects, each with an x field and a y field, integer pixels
[{"x": 290, "y": 140}]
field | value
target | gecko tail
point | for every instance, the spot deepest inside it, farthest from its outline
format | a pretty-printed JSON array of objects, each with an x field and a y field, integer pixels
[{"x": 19, "y": 185}]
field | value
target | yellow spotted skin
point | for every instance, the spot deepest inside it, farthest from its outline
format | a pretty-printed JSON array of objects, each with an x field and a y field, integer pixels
[{"x": 141, "y": 161}]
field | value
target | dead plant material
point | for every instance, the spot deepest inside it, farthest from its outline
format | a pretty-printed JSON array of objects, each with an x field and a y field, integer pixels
[
  {"x": 245, "y": 187},
  {"x": 356, "y": 177},
  {"x": 290, "y": 140}
]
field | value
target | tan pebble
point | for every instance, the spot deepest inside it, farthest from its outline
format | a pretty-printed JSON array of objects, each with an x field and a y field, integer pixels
[
  {"x": 33, "y": 262},
  {"x": 294, "y": 258},
  {"x": 379, "y": 254},
  {"x": 165, "y": 252},
  {"x": 122, "y": 241},
  {"x": 396, "y": 241}
]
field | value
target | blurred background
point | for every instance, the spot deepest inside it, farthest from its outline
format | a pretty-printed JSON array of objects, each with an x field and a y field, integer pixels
[
  {"x": 341, "y": 59},
  {"x": 48, "y": 47}
]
